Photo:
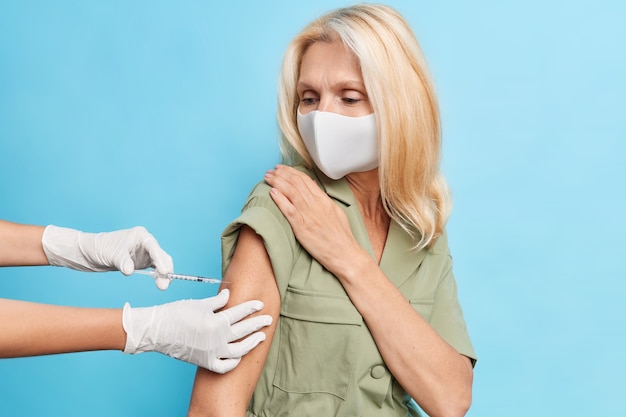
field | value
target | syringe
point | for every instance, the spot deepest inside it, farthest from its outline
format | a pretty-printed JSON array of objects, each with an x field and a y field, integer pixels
[{"x": 171, "y": 275}]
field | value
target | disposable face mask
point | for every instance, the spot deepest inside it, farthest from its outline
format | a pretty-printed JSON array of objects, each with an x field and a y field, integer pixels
[{"x": 338, "y": 144}]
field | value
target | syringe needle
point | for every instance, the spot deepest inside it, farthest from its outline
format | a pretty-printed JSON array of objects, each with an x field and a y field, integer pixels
[
  {"x": 170, "y": 275},
  {"x": 194, "y": 278}
]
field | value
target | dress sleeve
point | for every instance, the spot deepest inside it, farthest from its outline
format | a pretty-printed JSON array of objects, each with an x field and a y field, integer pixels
[
  {"x": 447, "y": 316},
  {"x": 261, "y": 214}
]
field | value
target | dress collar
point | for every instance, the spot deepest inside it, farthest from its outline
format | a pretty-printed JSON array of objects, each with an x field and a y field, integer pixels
[{"x": 337, "y": 189}]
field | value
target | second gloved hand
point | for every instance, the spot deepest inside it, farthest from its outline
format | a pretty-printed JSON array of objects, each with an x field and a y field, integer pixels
[{"x": 191, "y": 331}]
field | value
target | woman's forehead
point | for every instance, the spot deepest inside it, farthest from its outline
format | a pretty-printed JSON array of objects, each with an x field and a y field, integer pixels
[{"x": 329, "y": 58}]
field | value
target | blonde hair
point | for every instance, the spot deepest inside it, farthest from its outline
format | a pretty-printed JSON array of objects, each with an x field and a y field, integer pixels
[{"x": 395, "y": 74}]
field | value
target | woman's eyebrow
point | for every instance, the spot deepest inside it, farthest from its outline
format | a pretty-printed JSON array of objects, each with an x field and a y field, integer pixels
[{"x": 343, "y": 85}]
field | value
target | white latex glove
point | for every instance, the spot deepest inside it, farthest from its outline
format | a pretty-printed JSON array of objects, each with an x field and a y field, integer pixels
[
  {"x": 123, "y": 250},
  {"x": 191, "y": 331}
]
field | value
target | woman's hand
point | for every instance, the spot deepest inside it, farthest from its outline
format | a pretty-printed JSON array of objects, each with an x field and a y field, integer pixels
[{"x": 320, "y": 226}]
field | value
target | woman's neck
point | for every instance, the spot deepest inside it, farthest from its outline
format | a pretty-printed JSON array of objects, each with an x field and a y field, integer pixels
[{"x": 366, "y": 189}]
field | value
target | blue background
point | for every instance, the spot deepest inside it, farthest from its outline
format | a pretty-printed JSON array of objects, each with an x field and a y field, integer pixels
[{"x": 115, "y": 114}]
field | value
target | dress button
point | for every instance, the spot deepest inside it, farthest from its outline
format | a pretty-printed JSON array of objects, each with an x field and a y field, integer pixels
[{"x": 378, "y": 372}]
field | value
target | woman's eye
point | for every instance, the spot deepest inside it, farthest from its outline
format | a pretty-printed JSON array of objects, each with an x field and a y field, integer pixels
[
  {"x": 308, "y": 101},
  {"x": 351, "y": 101}
]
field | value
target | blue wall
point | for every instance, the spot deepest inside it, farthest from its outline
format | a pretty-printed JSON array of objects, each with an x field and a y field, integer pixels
[{"x": 114, "y": 114}]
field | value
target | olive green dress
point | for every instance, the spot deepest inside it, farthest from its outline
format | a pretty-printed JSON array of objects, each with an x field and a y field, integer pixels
[{"x": 323, "y": 360}]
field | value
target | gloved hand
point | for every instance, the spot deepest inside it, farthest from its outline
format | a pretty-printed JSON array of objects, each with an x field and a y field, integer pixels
[
  {"x": 123, "y": 250},
  {"x": 191, "y": 331}
]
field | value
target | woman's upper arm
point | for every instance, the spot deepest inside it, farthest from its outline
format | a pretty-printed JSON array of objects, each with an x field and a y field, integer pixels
[
  {"x": 250, "y": 270},
  {"x": 249, "y": 276}
]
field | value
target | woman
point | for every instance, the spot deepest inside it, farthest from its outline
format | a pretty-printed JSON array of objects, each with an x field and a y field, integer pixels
[{"x": 348, "y": 249}]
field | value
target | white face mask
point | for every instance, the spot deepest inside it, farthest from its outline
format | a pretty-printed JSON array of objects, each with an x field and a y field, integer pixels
[{"x": 338, "y": 144}]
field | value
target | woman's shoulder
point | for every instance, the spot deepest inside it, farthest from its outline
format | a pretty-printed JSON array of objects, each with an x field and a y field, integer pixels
[{"x": 262, "y": 189}]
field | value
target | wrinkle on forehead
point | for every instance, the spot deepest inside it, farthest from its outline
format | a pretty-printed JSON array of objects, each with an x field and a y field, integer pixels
[{"x": 331, "y": 64}]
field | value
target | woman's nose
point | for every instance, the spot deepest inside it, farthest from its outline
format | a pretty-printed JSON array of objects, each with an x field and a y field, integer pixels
[{"x": 327, "y": 104}]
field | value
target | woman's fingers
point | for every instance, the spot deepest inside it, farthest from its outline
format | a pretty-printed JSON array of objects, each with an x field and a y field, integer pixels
[{"x": 296, "y": 186}]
